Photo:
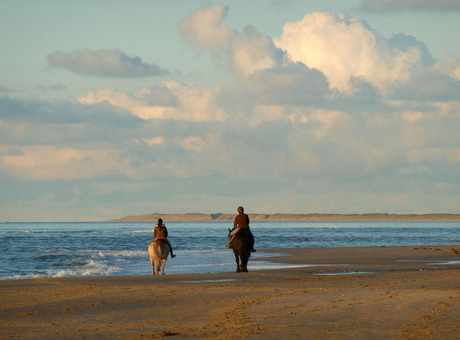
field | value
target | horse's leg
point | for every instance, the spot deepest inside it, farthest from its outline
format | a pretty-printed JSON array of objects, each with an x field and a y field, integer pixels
[
  {"x": 163, "y": 266},
  {"x": 237, "y": 259},
  {"x": 153, "y": 267},
  {"x": 158, "y": 263},
  {"x": 244, "y": 263}
]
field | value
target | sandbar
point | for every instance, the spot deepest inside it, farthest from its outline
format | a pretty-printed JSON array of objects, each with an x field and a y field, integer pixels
[{"x": 326, "y": 293}]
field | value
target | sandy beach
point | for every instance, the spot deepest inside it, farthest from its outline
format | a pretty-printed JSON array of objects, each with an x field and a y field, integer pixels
[{"x": 327, "y": 293}]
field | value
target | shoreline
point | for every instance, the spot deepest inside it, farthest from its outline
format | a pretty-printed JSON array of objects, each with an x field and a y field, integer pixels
[{"x": 382, "y": 292}]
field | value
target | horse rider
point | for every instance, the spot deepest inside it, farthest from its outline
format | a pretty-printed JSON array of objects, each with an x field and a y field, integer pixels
[
  {"x": 241, "y": 222},
  {"x": 161, "y": 233}
]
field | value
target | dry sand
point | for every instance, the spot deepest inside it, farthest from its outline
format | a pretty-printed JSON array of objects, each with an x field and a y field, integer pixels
[{"x": 377, "y": 296}]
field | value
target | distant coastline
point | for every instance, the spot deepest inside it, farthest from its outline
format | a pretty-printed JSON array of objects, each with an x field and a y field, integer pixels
[{"x": 219, "y": 217}]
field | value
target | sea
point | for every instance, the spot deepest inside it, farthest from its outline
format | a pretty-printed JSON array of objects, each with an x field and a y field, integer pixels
[{"x": 42, "y": 250}]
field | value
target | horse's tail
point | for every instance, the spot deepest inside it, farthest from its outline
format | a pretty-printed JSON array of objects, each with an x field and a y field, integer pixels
[
  {"x": 243, "y": 241},
  {"x": 245, "y": 252},
  {"x": 161, "y": 248},
  {"x": 155, "y": 244}
]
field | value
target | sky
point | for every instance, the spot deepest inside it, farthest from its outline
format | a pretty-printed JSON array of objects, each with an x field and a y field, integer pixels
[{"x": 116, "y": 108}]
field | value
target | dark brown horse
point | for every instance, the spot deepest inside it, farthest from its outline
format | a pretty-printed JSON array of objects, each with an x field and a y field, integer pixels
[{"x": 242, "y": 245}]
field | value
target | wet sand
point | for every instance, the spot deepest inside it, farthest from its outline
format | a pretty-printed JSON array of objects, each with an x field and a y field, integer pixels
[{"x": 327, "y": 293}]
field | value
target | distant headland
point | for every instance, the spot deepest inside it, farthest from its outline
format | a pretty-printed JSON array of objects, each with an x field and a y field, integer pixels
[{"x": 279, "y": 217}]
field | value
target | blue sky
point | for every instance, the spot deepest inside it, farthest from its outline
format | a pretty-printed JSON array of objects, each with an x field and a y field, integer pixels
[{"x": 115, "y": 108}]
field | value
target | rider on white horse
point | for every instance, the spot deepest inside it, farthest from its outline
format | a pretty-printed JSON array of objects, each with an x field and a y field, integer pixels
[{"x": 161, "y": 233}]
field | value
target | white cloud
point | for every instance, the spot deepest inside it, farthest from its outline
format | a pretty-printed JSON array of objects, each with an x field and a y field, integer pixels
[
  {"x": 47, "y": 162},
  {"x": 412, "y": 116},
  {"x": 290, "y": 84},
  {"x": 197, "y": 103},
  {"x": 159, "y": 95},
  {"x": 448, "y": 109},
  {"x": 342, "y": 47},
  {"x": 449, "y": 66},
  {"x": 154, "y": 141},
  {"x": 116, "y": 98},
  {"x": 106, "y": 63},
  {"x": 263, "y": 113},
  {"x": 189, "y": 102},
  {"x": 427, "y": 85},
  {"x": 327, "y": 118},
  {"x": 246, "y": 52},
  {"x": 194, "y": 143},
  {"x": 252, "y": 52},
  {"x": 207, "y": 29}
]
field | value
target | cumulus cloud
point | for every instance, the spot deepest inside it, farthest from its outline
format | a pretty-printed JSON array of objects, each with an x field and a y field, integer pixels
[
  {"x": 245, "y": 52},
  {"x": 408, "y": 5},
  {"x": 428, "y": 86},
  {"x": 105, "y": 63},
  {"x": 252, "y": 51},
  {"x": 292, "y": 84},
  {"x": 207, "y": 29},
  {"x": 91, "y": 141},
  {"x": 154, "y": 141},
  {"x": 158, "y": 95},
  {"x": 120, "y": 99},
  {"x": 405, "y": 43},
  {"x": 194, "y": 143},
  {"x": 170, "y": 100},
  {"x": 45, "y": 162},
  {"x": 62, "y": 113},
  {"x": 342, "y": 47},
  {"x": 449, "y": 66}
]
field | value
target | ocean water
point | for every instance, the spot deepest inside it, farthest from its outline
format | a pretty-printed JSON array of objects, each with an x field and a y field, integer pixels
[{"x": 32, "y": 250}]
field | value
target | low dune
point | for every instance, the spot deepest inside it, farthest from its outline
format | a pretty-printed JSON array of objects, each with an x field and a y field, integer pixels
[{"x": 219, "y": 217}]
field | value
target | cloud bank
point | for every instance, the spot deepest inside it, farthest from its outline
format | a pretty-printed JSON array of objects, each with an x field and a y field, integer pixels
[
  {"x": 328, "y": 117},
  {"x": 105, "y": 63},
  {"x": 410, "y": 5}
]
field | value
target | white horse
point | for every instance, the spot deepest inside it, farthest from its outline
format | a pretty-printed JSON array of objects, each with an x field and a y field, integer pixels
[{"x": 158, "y": 253}]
